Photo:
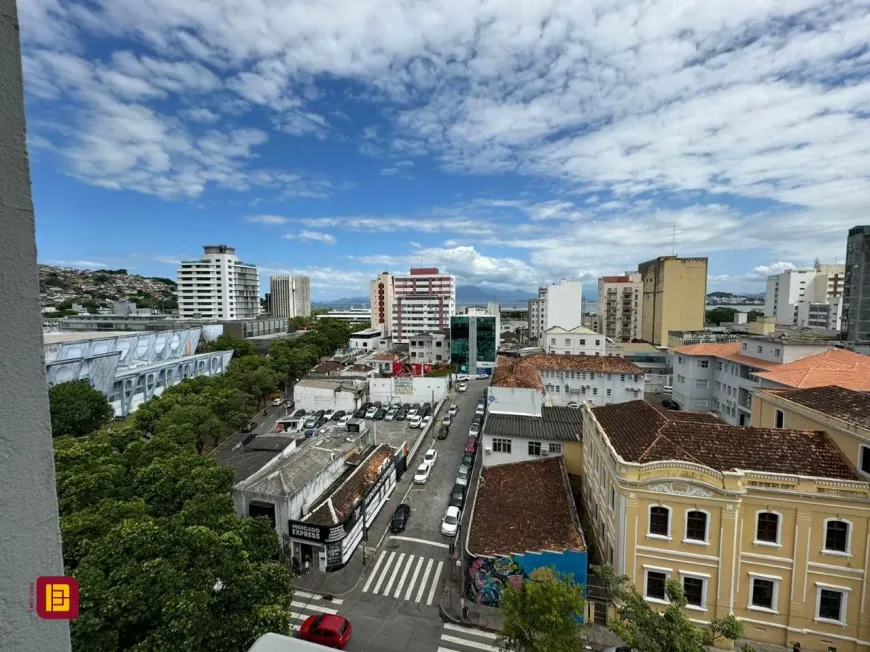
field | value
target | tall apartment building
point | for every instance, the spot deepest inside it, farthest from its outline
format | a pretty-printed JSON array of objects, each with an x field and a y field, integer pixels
[
  {"x": 381, "y": 301},
  {"x": 789, "y": 296},
  {"x": 620, "y": 301},
  {"x": 856, "y": 287},
  {"x": 674, "y": 296},
  {"x": 290, "y": 296},
  {"x": 564, "y": 305},
  {"x": 423, "y": 301},
  {"x": 538, "y": 315},
  {"x": 218, "y": 286}
]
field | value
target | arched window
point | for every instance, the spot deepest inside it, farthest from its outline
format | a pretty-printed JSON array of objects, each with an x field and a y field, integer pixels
[
  {"x": 838, "y": 536},
  {"x": 767, "y": 527},
  {"x": 697, "y": 525}
]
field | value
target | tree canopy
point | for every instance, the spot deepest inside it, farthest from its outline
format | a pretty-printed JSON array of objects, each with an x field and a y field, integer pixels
[
  {"x": 542, "y": 615},
  {"x": 718, "y": 315},
  {"x": 224, "y": 342},
  {"x": 77, "y": 409}
]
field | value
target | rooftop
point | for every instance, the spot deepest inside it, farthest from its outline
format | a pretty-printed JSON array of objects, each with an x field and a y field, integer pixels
[
  {"x": 642, "y": 434},
  {"x": 524, "y": 371},
  {"x": 346, "y": 384},
  {"x": 524, "y": 506},
  {"x": 838, "y": 402},
  {"x": 726, "y": 351},
  {"x": 832, "y": 367},
  {"x": 554, "y": 424},
  {"x": 60, "y": 338}
]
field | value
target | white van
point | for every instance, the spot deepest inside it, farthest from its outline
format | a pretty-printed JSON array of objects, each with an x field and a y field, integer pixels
[{"x": 667, "y": 389}]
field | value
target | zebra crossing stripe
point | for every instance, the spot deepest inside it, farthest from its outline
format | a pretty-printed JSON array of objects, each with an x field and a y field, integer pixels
[
  {"x": 375, "y": 571},
  {"x": 314, "y": 596},
  {"x": 395, "y": 573},
  {"x": 475, "y": 644},
  {"x": 423, "y": 583},
  {"x": 469, "y": 630},
  {"x": 312, "y": 607},
  {"x": 384, "y": 573},
  {"x": 404, "y": 576},
  {"x": 413, "y": 579},
  {"x": 434, "y": 584}
]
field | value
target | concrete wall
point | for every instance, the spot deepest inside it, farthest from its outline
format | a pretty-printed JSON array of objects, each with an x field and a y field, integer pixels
[
  {"x": 519, "y": 450},
  {"x": 515, "y": 400},
  {"x": 593, "y": 387},
  {"x": 407, "y": 390},
  {"x": 317, "y": 398},
  {"x": 674, "y": 296},
  {"x": 30, "y": 534}
]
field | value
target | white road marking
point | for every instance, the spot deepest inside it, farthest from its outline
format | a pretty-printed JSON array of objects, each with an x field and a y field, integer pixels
[
  {"x": 313, "y": 607},
  {"x": 384, "y": 573},
  {"x": 423, "y": 583},
  {"x": 375, "y": 571},
  {"x": 394, "y": 575},
  {"x": 296, "y": 627},
  {"x": 428, "y": 543},
  {"x": 434, "y": 583},
  {"x": 413, "y": 579},
  {"x": 470, "y": 630},
  {"x": 314, "y": 596},
  {"x": 469, "y": 643},
  {"x": 404, "y": 576}
]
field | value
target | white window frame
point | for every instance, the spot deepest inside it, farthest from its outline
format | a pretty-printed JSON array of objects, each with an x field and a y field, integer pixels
[
  {"x": 656, "y": 569},
  {"x": 500, "y": 443},
  {"x": 775, "y": 599},
  {"x": 704, "y": 364},
  {"x": 863, "y": 449},
  {"x": 705, "y": 578},
  {"x": 696, "y": 542},
  {"x": 844, "y": 604},
  {"x": 779, "y": 521},
  {"x": 661, "y": 537},
  {"x": 555, "y": 448},
  {"x": 838, "y": 553}
]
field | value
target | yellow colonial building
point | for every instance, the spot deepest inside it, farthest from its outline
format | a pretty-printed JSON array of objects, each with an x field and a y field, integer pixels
[{"x": 768, "y": 524}]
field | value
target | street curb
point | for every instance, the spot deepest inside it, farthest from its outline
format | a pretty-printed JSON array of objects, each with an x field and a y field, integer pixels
[{"x": 445, "y": 616}]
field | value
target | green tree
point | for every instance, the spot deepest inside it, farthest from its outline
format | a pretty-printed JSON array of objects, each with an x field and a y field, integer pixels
[
  {"x": 77, "y": 409},
  {"x": 191, "y": 425},
  {"x": 240, "y": 348},
  {"x": 670, "y": 630},
  {"x": 718, "y": 315},
  {"x": 753, "y": 315},
  {"x": 542, "y": 616}
]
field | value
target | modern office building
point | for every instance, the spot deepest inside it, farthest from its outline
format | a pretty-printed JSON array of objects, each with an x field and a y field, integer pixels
[
  {"x": 474, "y": 343},
  {"x": 674, "y": 296},
  {"x": 620, "y": 302},
  {"x": 423, "y": 301},
  {"x": 797, "y": 297},
  {"x": 289, "y": 296},
  {"x": 856, "y": 286},
  {"x": 218, "y": 286},
  {"x": 381, "y": 301}
]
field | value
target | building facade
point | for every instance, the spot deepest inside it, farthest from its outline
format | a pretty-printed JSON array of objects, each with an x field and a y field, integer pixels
[
  {"x": 430, "y": 348},
  {"x": 474, "y": 343},
  {"x": 381, "y": 302},
  {"x": 365, "y": 340},
  {"x": 827, "y": 315},
  {"x": 218, "y": 286},
  {"x": 792, "y": 289},
  {"x": 856, "y": 286},
  {"x": 655, "y": 362},
  {"x": 423, "y": 302},
  {"x": 537, "y": 316},
  {"x": 770, "y": 525},
  {"x": 620, "y": 304},
  {"x": 289, "y": 296},
  {"x": 554, "y": 432},
  {"x": 564, "y": 305},
  {"x": 350, "y": 315},
  {"x": 674, "y": 296},
  {"x": 576, "y": 341}
]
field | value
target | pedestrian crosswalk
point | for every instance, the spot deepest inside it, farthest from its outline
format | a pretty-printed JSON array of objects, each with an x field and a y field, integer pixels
[
  {"x": 306, "y": 604},
  {"x": 396, "y": 575},
  {"x": 455, "y": 638}
]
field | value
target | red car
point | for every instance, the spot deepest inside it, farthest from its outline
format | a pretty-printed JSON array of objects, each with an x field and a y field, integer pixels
[
  {"x": 471, "y": 445},
  {"x": 325, "y": 629}
]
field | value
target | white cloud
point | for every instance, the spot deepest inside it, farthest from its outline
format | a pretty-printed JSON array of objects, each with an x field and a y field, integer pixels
[
  {"x": 175, "y": 261},
  {"x": 390, "y": 224},
  {"x": 312, "y": 236},
  {"x": 269, "y": 220},
  {"x": 201, "y": 114}
]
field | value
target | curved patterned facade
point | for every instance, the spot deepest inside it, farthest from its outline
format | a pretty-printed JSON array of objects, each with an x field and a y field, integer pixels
[{"x": 131, "y": 368}]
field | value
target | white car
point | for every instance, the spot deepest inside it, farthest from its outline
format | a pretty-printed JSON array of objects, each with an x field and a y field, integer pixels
[
  {"x": 412, "y": 412},
  {"x": 480, "y": 409},
  {"x": 482, "y": 376},
  {"x": 450, "y": 522},
  {"x": 390, "y": 415},
  {"x": 328, "y": 414},
  {"x": 463, "y": 475},
  {"x": 415, "y": 422},
  {"x": 574, "y": 405},
  {"x": 344, "y": 418},
  {"x": 426, "y": 421},
  {"x": 461, "y": 376},
  {"x": 430, "y": 457},
  {"x": 370, "y": 413},
  {"x": 447, "y": 420},
  {"x": 474, "y": 430},
  {"x": 454, "y": 408},
  {"x": 277, "y": 402},
  {"x": 463, "y": 387},
  {"x": 422, "y": 473}
]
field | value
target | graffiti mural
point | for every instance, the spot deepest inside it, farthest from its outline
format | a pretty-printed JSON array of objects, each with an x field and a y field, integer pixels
[{"x": 486, "y": 577}]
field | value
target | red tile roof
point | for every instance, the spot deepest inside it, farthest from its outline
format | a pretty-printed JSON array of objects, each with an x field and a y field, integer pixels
[
  {"x": 719, "y": 349},
  {"x": 640, "y": 433},
  {"x": 832, "y": 367},
  {"x": 524, "y": 506},
  {"x": 837, "y": 402},
  {"x": 524, "y": 371},
  {"x": 615, "y": 279}
]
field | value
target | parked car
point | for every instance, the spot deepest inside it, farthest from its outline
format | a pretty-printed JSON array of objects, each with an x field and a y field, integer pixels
[
  {"x": 406, "y": 406},
  {"x": 426, "y": 421},
  {"x": 368, "y": 404},
  {"x": 415, "y": 422},
  {"x": 467, "y": 460},
  {"x": 448, "y": 420},
  {"x": 457, "y": 496},
  {"x": 450, "y": 522},
  {"x": 370, "y": 413},
  {"x": 412, "y": 412},
  {"x": 471, "y": 445},
  {"x": 574, "y": 405},
  {"x": 443, "y": 431},
  {"x": 344, "y": 419},
  {"x": 400, "y": 518},
  {"x": 276, "y": 402},
  {"x": 480, "y": 409},
  {"x": 422, "y": 473},
  {"x": 289, "y": 404},
  {"x": 338, "y": 414},
  {"x": 427, "y": 405},
  {"x": 474, "y": 431},
  {"x": 391, "y": 415},
  {"x": 299, "y": 413},
  {"x": 250, "y": 427},
  {"x": 462, "y": 387},
  {"x": 360, "y": 414},
  {"x": 320, "y": 413},
  {"x": 478, "y": 419},
  {"x": 430, "y": 457},
  {"x": 400, "y": 415},
  {"x": 328, "y": 414},
  {"x": 454, "y": 408},
  {"x": 461, "y": 377},
  {"x": 667, "y": 389},
  {"x": 482, "y": 376},
  {"x": 326, "y": 629},
  {"x": 322, "y": 421},
  {"x": 670, "y": 404},
  {"x": 310, "y": 421},
  {"x": 463, "y": 475},
  {"x": 380, "y": 414}
]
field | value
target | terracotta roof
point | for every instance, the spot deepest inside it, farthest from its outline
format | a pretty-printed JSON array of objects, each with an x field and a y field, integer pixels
[
  {"x": 554, "y": 424},
  {"x": 524, "y": 506},
  {"x": 752, "y": 362},
  {"x": 838, "y": 402},
  {"x": 642, "y": 434},
  {"x": 832, "y": 367},
  {"x": 385, "y": 356},
  {"x": 349, "y": 494},
  {"x": 615, "y": 279},
  {"x": 524, "y": 371},
  {"x": 719, "y": 349}
]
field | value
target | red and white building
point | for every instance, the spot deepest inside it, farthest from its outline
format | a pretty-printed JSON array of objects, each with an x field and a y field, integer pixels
[{"x": 406, "y": 305}]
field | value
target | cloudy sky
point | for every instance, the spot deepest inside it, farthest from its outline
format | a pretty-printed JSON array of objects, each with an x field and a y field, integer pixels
[{"x": 509, "y": 142}]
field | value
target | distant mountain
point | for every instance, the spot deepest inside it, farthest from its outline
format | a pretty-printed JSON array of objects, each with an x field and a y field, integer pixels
[
  {"x": 476, "y": 294},
  {"x": 345, "y": 302}
]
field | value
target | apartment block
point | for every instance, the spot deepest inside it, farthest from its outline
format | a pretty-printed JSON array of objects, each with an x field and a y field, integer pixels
[
  {"x": 290, "y": 296},
  {"x": 423, "y": 301},
  {"x": 381, "y": 301},
  {"x": 768, "y": 524},
  {"x": 538, "y": 315},
  {"x": 856, "y": 285},
  {"x": 430, "y": 348},
  {"x": 574, "y": 341},
  {"x": 218, "y": 286},
  {"x": 564, "y": 305},
  {"x": 674, "y": 296},
  {"x": 620, "y": 302},
  {"x": 790, "y": 295}
]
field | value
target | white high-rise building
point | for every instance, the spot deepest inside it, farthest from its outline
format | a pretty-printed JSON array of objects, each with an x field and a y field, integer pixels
[
  {"x": 290, "y": 296},
  {"x": 381, "y": 301},
  {"x": 537, "y": 315},
  {"x": 218, "y": 286},
  {"x": 422, "y": 302},
  {"x": 620, "y": 299},
  {"x": 787, "y": 292},
  {"x": 564, "y": 305}
]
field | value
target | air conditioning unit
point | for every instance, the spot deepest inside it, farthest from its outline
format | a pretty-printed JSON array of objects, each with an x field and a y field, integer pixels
[{"x": 487, "y": 450}]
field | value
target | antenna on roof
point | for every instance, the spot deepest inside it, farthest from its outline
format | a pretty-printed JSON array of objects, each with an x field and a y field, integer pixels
[{"x": 674, "y": 240}]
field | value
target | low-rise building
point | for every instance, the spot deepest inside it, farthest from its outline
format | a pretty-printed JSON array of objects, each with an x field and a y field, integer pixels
[
  {"x": 429, "y": 348},
  {"x": 654, "y": 360},
  {"x": 677, "y": 339},
  {"x": 573, "y": 341},
  {"x": 556, "y": 432},
  {"x": 768, "y": 524},
  {"x": 350, "y": 315},
  {"x": 321, "y": 394},
  {"x": 365, "y": 340}
]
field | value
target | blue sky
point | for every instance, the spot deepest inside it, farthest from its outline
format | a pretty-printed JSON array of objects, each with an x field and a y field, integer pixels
[{"x": 509, "y": 144}]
